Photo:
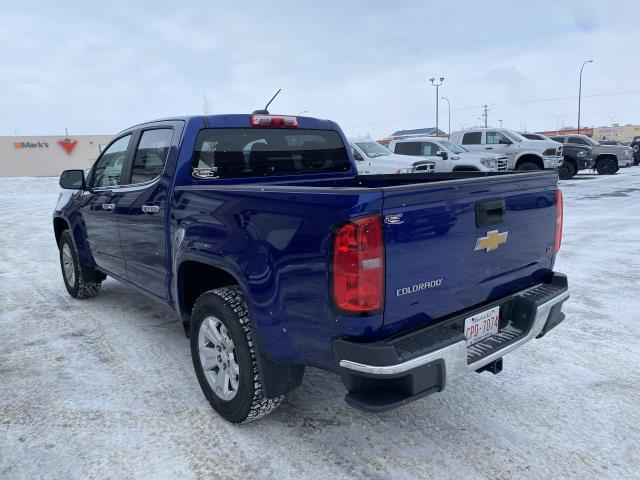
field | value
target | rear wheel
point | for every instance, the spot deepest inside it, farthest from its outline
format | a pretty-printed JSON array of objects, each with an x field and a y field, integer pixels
[
  {"x": 528, "y": 166},
  {"x": 224, "y": 356},
  {"x": 567, "y": 170},
  {"x": 80, "y": 281},
  {"x": 606, "y": 166}
]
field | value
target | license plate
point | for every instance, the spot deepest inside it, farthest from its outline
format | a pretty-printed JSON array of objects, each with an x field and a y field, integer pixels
[{"x": 481, "y": 325}]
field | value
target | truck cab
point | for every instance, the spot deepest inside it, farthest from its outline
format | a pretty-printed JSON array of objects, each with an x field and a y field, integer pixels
[
  {"x": 450, "y": 156},
  {"x": 522, "y": 154}
]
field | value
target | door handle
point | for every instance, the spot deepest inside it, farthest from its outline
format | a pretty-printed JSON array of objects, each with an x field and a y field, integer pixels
[
  {"x": 488, "y": 148},
  {"x": 490, "y": 212},
  {"x": 108, "y": 206},
  {"x": 150, "y": 208}
]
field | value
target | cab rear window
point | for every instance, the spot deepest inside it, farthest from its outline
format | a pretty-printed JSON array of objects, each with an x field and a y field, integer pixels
[{"x": 256, "y": 152}]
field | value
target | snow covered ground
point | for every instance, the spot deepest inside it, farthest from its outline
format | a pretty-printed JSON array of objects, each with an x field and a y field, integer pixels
[{"x": 104, "y": 388}]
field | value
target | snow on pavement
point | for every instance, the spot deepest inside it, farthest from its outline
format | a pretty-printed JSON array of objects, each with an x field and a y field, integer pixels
[{"x": 104, "y": 388}]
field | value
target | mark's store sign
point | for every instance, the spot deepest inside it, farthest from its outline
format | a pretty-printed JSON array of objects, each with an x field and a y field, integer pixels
[
  {"x": 67, "y": 145},
  {"x": 20, "y": 145}
]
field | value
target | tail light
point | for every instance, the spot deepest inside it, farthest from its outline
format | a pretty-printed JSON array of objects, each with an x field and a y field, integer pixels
[
  {"x": 559, "y": 221},
  {"x": 358, "y": 266},
  {"x": 271, "y": 121}
]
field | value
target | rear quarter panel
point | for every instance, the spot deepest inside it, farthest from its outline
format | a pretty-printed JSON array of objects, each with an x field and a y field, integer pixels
[{"x": 276, "y": 241}]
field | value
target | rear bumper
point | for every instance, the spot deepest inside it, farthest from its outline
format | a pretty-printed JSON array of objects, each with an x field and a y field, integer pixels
[
  {"x": 625, "y": 161},
  {"x": 386, "y": 374}
]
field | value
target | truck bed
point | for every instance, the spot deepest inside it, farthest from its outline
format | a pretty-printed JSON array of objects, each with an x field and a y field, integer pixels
[{"x": 277, "y": 234}]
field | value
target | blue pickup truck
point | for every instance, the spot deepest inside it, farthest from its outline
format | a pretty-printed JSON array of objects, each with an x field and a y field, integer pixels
[{"x": 277, "y": 255}]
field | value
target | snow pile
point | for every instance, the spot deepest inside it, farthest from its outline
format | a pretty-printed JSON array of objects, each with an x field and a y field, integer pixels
[{"x": 104, "y": 388}]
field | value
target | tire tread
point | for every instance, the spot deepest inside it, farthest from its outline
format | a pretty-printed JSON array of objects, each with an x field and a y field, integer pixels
[
  {"x": 86, "y": 288},
  {"x": 233, "y": 297}
]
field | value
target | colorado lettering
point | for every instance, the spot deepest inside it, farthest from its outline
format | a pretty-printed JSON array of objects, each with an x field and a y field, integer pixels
[{"x": 418, "y": 287}]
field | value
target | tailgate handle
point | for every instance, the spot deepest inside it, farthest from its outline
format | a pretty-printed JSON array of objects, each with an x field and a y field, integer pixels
[{"x": 490, "y": 212}]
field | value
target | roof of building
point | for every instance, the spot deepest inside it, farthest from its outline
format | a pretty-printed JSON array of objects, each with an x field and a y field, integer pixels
[{"x": 418, "y": 131}]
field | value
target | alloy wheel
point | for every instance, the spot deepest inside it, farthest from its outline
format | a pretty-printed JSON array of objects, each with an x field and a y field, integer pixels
[
  {"x": 68, "y": 264},
  {"x": 218, "y": 358}
]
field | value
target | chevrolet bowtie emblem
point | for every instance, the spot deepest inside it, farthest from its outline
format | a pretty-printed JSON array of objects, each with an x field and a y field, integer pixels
[{"x": 492, "y": 241}]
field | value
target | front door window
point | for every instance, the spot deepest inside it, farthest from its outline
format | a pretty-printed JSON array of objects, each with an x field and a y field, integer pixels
[{"x": 108, "y": 168}]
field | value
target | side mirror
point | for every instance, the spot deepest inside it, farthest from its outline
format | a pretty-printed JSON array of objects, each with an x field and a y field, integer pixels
[
  {"x": 443, "y": 154},
  {"x": 72, "y": 180},
  {"x": 504, "y": 141}
]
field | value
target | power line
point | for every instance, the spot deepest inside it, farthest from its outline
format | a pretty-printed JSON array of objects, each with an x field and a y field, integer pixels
[
  {"x": 553, "y": 99},
  {"x": 473, "y": 107},
  {"x": 590, "y": 114}
]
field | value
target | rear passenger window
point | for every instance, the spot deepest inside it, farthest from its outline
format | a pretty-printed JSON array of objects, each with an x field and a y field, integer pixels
[
  {"x": 408, "y": 148},
  {"x": 472, "y": 138},
  {"x": 260, "y": 152},
  {"x": 151, "y": 155}
]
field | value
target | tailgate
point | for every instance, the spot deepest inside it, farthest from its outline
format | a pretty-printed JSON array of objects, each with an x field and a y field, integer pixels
[{"x": 433, "y": 268}]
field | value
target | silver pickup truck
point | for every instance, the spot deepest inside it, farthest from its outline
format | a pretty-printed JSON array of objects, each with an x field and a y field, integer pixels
[
  {"x": 608, "y": 158},
  {"x": 522, "y": 154}
]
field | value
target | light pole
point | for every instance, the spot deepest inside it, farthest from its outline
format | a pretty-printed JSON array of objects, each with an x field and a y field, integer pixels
[
  {"x": 580, "y": 92},
  {"x": 437, "y": 85},
  {"x": 449, "y": 110},
  {"x": 500, "y": 123}
]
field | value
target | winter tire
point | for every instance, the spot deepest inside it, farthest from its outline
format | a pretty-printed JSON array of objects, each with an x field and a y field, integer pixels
[
  {"x": 528, "y": 166},
  {"x": 81, "y": 281},
  {"x": 606, "y": 166},
  {"x": 567, "y": 170},
  {"x": 224, "y": 356}
]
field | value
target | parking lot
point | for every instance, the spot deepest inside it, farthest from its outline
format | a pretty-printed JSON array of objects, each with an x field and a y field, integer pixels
[{"x": 105, "y": 388}]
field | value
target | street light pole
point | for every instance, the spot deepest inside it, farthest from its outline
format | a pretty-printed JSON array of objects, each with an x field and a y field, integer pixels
[
  {"x": 580, "y": 92},
  {"x": 437, "y": 85},
  {"x": 449, "y": 110}
]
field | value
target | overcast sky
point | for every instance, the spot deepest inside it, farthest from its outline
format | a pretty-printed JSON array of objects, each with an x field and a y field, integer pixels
[{"x": 98, "y": 67}]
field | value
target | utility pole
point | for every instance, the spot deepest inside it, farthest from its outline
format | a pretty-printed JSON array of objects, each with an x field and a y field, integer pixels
[
  {"x": 437, "y": 85},
  {"x": 485, "y": 114},
  {"x": 580, "y": 92},
  {"x": 449, "y": 109}
]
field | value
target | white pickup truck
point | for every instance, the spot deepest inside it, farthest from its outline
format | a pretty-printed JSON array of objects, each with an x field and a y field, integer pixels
[
  {"x": 522, "y": 154},
  {"x": 450, "y": 157},
  {"x": 375, "y": 159}
]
